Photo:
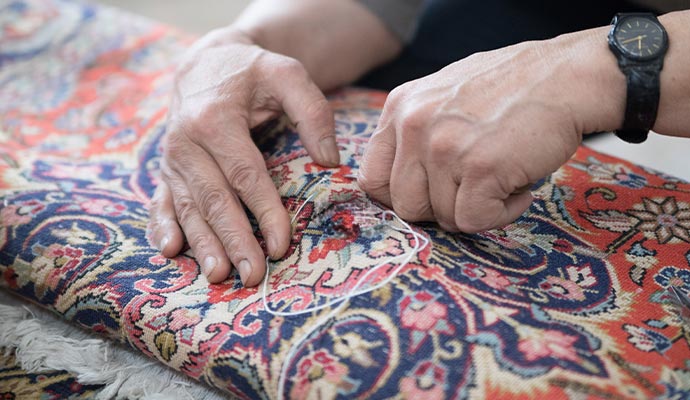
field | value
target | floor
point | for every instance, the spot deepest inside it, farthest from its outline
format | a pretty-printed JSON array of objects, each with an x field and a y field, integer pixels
[{"x": 666, "y": 154}]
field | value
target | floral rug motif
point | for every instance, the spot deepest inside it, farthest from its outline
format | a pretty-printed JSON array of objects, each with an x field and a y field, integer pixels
[{"x": 579, "y": 297}]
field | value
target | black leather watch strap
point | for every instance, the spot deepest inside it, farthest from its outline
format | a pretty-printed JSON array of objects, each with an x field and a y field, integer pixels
[{"x": 643, "y": 90}]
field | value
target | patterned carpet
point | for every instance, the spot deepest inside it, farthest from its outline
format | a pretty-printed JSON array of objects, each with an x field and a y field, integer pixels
[
  {"x": 579, "y": 298},
  {"x": 42, "y": 356},
  {"x": 17, "y": 383}
]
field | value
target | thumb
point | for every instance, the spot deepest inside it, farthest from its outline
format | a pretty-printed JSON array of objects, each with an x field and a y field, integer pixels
[{"x": 376, "y": 166}]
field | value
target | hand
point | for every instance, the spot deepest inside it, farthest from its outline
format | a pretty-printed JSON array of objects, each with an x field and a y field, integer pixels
[
  {"x": 225, "y": 87},
  {"x": 461, "y": 146}
]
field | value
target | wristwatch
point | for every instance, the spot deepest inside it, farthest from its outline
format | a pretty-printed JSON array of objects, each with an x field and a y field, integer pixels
[{"x": 639, "y": 42}]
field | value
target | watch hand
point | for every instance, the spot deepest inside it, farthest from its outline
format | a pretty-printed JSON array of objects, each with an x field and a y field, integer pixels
[{"x": 639, "y": 37}]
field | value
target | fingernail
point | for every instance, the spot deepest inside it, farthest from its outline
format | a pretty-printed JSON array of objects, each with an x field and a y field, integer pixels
[
  {"x": 209, "y": 265},
  {"x": 329, "y": 150},
  {"x": 272, "y": 246},
  {"x": 245, "y": 270},
  {"x": 164, "y": 242}
]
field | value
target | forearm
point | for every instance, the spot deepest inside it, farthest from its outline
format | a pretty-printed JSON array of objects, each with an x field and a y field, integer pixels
[{"x": 337, "y": 41}]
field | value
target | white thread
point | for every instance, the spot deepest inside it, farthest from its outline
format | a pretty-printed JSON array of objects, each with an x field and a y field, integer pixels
[
  {"x": 342, "y": 301},
  {"x": 407, "y": 258}
]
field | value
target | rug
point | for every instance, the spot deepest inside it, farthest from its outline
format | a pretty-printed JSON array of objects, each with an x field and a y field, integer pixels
[
  {"x": 579, "y": 298},
  {"x": 17, "y": 383},
  {"x": 44, "y": 357}
]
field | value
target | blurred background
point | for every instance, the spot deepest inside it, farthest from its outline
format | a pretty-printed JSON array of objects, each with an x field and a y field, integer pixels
[
  {"x": 666, "y": 154},
  {"x": 199, "y": 16}
]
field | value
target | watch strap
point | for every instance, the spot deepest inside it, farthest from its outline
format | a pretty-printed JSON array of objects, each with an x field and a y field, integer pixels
[{"x": 643, "y": 90}]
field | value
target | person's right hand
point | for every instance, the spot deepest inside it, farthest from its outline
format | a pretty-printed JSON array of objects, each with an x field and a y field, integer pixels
[{"x": 226, "y": 86}]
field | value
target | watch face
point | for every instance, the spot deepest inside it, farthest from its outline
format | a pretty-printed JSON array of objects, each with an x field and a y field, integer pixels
[{"x": 639, "y": 37}]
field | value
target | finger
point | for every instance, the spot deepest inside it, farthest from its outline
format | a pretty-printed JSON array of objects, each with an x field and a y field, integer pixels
[
  {"x": 222, "y": 211},
  {"x": 165, "y": 233},
  {"x": 481, "y": 209},
  {"x": 249, "y": 179},
  {"x": 243, "y": 175},
  {"x": 211, "y": 210},
  {"x": 226, "y": 165},
  {"x": 206, "y": 247},
  {"x": 308, "y": 109},
  {"x": 524, "y": 188},
  {"x": 376, "y": 166},
  {"x": 409, "y": 190},
  {"x": 442, "y": 194}
]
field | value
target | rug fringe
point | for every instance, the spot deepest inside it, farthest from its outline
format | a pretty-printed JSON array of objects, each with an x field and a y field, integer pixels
[{"x": 41, "y": 343}]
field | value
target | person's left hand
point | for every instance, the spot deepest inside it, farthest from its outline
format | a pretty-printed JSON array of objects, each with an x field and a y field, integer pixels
[
  {"x": 225, "y": 86},
  {"x": 463, "y": 146}
]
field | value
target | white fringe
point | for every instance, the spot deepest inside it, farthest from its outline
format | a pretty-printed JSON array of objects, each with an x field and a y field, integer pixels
[{"x": 42, "y": 342}]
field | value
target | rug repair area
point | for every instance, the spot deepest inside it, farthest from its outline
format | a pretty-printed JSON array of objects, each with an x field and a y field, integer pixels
[{"x": 582, "y": 296}]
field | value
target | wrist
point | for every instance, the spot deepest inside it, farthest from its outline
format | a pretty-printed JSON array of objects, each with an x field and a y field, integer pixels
[
  {"x": 594, "y": 83},
  {"x": 597, "y": 87},
  {"x": 326, "y": 37},
  {"x": 228, "y": 35}
]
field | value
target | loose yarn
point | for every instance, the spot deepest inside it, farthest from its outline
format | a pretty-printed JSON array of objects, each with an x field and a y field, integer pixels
[{"x": 420, "y": 242}]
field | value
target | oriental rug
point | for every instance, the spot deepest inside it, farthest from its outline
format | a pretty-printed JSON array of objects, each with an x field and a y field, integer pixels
[
  {"x": 42, "y": 356},
  {"x": 579, "y": 298}
]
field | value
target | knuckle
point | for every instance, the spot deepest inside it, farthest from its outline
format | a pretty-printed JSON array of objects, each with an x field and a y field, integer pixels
[
  {"x": 397, "y": 95},
  {"x": 442, "y": 148},
  {"x": 235, "y": 240},
  {"x": 176, "y": 148},
  {"x": 288, "y": 66},
  {"x": 319, "y": 109},
  {"x": 412, "y": 122},
  {"x": 444, "y": 214},
  {"x": 243, "y": 179},
  {"x": 410, "y": 211},
  {"x": 213, "y": 202},
  {"x": 478, "y": 221},
  {"x": 480, "y": 166},
  {"x": 185, "y": 209},
  {"x": 196, "y": 127},
  {"x": 200, "y": 241},
  {"x": 371, "y": 184},
  {"x": 266, "y": 213}
]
